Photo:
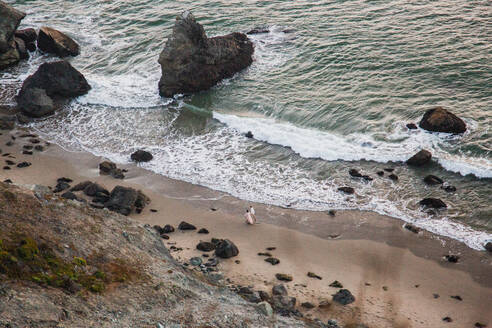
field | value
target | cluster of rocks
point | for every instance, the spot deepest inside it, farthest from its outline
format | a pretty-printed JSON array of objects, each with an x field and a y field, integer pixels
[
  {"x": 16, "y": 44},
  {"x": 192, "y": 62},
  {"x": 110, "y": 168},
  {"x": 123, "y": 200}
]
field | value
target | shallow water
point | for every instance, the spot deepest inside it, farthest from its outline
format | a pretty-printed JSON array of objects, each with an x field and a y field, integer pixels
[{"x": 331, "y": 88}]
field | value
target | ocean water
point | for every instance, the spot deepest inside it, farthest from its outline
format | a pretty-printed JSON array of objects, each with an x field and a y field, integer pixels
[{"x": 331, "y": 88}]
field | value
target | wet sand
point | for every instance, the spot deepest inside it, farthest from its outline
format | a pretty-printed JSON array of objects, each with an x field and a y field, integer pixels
[{"x": 369, "y": 251}]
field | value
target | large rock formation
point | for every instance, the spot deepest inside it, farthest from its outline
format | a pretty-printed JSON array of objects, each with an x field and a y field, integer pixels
[
  {"x": 55, "y": 81},
  {"x": 56, "y": 42},
  {"x": 440, "y": 120},
  {"x": 10, "y": 19},
  {"x": 193, "y": 62}
]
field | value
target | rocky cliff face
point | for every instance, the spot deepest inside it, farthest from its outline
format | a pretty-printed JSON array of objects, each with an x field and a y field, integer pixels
[
  {"x": 10, "y": 19},
  {"x": 192, "y": 62},
  {"x": 64, "y": 264}
]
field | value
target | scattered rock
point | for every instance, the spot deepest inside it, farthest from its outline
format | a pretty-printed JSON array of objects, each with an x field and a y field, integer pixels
[
  {"x": 457, "y": 297},
  {"x": 249, "y": 134},
  {"x": 141, "y": 156},
  {"x": 195, "y": 261},
  {"x": 488, "y": 247},
  {"x": 284, "y": 302},
  {"x": 186, "y": 226},
  {"x": 164, "y": 236},
  {"x": 344, "y": 297},
  {"x": 264, "y": 295},
  {"x": 308, "y": 305},
  {"x": 412, "y": 228},
  {"x": 385, "y": 288},
  {"x": 347, "y": 190},
  {"x": 435, "y": 295},
  {"x": 380, "y": 173},
  {"x": 355, "y": 173},
  {"x": 272, "y": 260},
  {"x": 124, "y": 200},
  {"x": 58, "y": 43},
  {"x": 226, "y": 249},
  {"x": 393, "y": 177},
  {"x": 421, "y": 158},
  {"x": 27, "y": 152},
  {"x": 203, "y": 231},
  {"x": 191, "y": 62},
  {"x": 433, "y": 180},
  {"x": 271, "y": 248},
  {"x": 433, "y": 203},
  {"x": 265, "y": 254},
  {"x": 449, "y": 188},
  {"x": 153, "y": 210},
  {"x": 336, "y": 284},
  {"x": 265, "y": 308},
  {"x": 23, "y": 164},
  {"x": 411, "y": 126},
  {"x": 283, "y": 277},
  {"x": 441, "y": 120},
  {"x": 447, "y": 319},
  {"x": 452, "y": 258},
  {"x": 205, "y": 246},
  {"x": 168, "y": 228},
  {"x": 313, "y": 275},
  {"x": 258, "y": 30},
  {"x": 480, "y": 325},
  {"x": 332, "y": 212},
  {"x": 389, "y": 169}
]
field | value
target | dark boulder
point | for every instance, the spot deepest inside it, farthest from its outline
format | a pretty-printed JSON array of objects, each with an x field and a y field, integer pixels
[
  {"x": 336, "y": 284},
  {"x": 449, "y": 188},
  {"x": 124, "y": 200},
  {"x": 205, "y": 246},
  {"x": 59, "y": 81},
  {"x": 488, "y": 246},
  {"x": 258, "y": 30},
  {"x": 355, "y": 173},
  {"x": 69, "y": 195},
  {"x": 347, "y": 190},
  {"x": 283, "y": 302},
  {"x": 308, "y": 305},
  {"x": 203, "y": 231},
  {"x": 20, "y": 45},
  {"x": 344, "y": 297},
  {"x": 440, "y": 120},
  {"x": 93, "y": 188},
  {"x": 421, "y": 158},
  {"x": 168, "y": 228},
  {"x": 28, "y": 35},
  {"x": 186, "y": 226},
  {"x": 393, "y": 177},
  {"x": 279, "y": 290},
  {"x": 452, "y": 258},
  {"x": 433, "y": 203},
  {"x": 192, "y": 62},
  {"x": 412, "y": 228},
  {"x": 60, "y": 186},
  {"x": 56, "y": 42},
  {"x": 226, "y": 249},
  {"x": 433, "y": 180},
  {"x": 141, "y": 156},
  {"x": 314, "y": 275},
  {"x": 283, "y": 277},
  {"x": 36, "y": 103},
  {"x": 272, "y": 260},
  {"x": 109, "y": 168},
  {"x": 411, "y": 126},
  {"x": 249, "y": 134},
  {"x": 10, "y": 19}
]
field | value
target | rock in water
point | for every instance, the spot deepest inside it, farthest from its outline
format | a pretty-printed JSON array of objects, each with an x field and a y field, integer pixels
[
  {"x": 344, "y": 297},
  {"x": 488, "y": 246},
  {"x": 56, "y": 42},
  {"x": 10, "y": 19},
  {"x": 433, "y": 180},
  {"x": 421, "y": 158},
  {"x": 226, "y": 249},
  {"x": 28, "y": 35},
  {"x": 191, "y": 62},
  {"x": 440, "y": 120},
  {"x": 59, "y": 81},
  {"x": 141, "y": 156},
  {"x": 433, "y": 202}
]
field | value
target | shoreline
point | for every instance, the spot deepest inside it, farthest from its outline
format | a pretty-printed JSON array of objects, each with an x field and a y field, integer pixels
[{"x": 370, "y": 248}]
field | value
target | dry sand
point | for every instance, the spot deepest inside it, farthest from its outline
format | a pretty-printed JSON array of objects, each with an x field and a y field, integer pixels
[{"x": 371, "y": 251}]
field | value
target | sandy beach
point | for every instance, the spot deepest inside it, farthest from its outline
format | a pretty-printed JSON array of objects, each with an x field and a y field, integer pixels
[{"x": 399, "y": 278}]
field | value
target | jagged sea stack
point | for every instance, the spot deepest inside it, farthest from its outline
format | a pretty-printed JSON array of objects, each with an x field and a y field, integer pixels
[{"x": 191, "y": 62}]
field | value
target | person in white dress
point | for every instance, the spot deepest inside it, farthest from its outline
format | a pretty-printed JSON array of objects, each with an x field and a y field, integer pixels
[
  {"x": 252, "y": 211},
  {"x": 249, "y": 218}
]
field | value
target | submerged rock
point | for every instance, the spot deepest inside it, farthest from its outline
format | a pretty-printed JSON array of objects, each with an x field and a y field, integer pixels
[
  {"x": 433, "y": 203},
  {"x": 191, "y": 62},
  {"x": 347, "y": 190},
  {"x": 433, "y": 180},
  {"x": 141, "y": 156},
  {"x": 411, "y": 126},
  {"x": 441, "y": 120},
  {"x": 58, "y": 43},
  {"x": 10, "y": 19},
  {"x": 421, "y": 158}
]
